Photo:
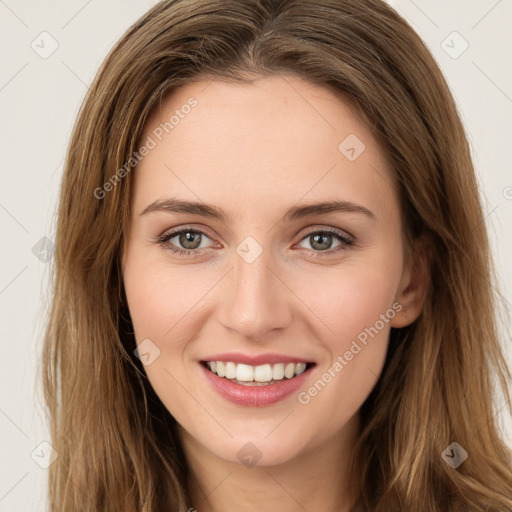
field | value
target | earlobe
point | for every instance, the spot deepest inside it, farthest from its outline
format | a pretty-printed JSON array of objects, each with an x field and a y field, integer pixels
[{"x": 414, "y": 285}]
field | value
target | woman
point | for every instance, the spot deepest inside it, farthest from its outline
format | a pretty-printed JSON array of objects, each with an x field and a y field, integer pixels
[{"x": 272, "y": 277}]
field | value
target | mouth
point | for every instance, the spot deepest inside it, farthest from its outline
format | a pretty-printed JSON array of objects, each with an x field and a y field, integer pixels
[{"x": 261, "y": 375}]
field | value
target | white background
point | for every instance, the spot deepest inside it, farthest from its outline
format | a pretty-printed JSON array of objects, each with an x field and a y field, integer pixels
[{"x": 39, "y": 101}]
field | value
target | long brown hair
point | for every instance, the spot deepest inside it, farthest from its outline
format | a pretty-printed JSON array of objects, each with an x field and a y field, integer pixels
[{"x": 116, "y": 443}]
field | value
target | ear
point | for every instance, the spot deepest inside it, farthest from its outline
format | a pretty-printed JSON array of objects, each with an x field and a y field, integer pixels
[{"x": 414, "y": 283}]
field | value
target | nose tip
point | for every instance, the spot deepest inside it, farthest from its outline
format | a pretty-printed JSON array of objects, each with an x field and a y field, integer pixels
[{"x": 256, "y": 301}]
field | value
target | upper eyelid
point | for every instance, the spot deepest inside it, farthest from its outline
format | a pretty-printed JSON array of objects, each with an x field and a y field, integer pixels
[{"x": 171, "y": 233}]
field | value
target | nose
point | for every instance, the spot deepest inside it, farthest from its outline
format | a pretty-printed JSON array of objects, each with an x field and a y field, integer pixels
[{"x": 256, "y": 299}]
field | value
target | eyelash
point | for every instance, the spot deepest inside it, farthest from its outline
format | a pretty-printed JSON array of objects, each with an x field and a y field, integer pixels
[{"x": 346, "y": 242}]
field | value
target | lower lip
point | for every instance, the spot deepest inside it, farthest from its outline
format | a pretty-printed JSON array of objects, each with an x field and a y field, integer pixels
[{"x": 255, "y": 396}]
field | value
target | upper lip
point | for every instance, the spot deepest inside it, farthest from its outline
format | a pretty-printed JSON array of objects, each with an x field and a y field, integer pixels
[{"x": 255, "y": 360}]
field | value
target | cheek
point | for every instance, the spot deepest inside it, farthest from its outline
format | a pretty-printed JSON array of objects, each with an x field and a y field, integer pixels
[
  {"x": 352, "y": 299},
  {"x": 356, "y": 305},
  {"x": 160, "y": 298},
  {"x": 161, "y": 302}
]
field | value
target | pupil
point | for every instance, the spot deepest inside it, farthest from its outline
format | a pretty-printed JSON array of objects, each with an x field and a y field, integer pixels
[
  {"x": 319, "y": 238},
  {"x": 187, "y": 238}
]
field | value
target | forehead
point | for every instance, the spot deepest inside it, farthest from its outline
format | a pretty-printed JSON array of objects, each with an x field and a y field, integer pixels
[{"x": 253, "y": 146}]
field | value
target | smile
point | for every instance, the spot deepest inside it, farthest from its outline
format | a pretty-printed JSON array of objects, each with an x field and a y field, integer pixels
[
  {"x": 272, "y": 379},
  {"x": 261, "y": 375}
]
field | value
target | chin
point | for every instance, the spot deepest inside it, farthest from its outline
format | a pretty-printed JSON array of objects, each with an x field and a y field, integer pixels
[{"x": 259, "y": 449}]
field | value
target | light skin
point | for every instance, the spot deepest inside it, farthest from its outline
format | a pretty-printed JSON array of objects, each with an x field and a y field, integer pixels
[{"x": 256, "y": 151}]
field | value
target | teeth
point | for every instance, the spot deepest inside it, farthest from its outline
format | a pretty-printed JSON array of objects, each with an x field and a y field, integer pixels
[
  {"x": 230, "y": 370},
  {"x": 278, "y": 371},
  {"x": 220, "y": 369},
  {"x": 263, "y": 373},
  {"x": 289, "y": 370},
  {"x": 244, "y": 372},
  {"x": 300, "y": 368}
]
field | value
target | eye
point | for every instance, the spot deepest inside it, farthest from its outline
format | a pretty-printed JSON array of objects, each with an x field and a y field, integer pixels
[
  {"x": 321, "y": 241},
  {"x": 189, "y": 239}
]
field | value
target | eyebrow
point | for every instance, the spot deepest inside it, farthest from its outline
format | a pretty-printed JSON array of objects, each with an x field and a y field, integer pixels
[{"x": 172, "y": 205}]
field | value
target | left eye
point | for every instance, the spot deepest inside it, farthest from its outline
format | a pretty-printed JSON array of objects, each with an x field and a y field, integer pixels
[
  {"x": 320, "y": 239},
  {"x": 190, "y": 241}
]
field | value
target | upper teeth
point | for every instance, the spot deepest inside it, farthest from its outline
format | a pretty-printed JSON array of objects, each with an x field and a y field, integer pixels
[{"x": 262, "y": 373}]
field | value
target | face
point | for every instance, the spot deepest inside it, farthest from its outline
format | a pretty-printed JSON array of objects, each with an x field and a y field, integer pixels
[{"x": 253, "y": 281}]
